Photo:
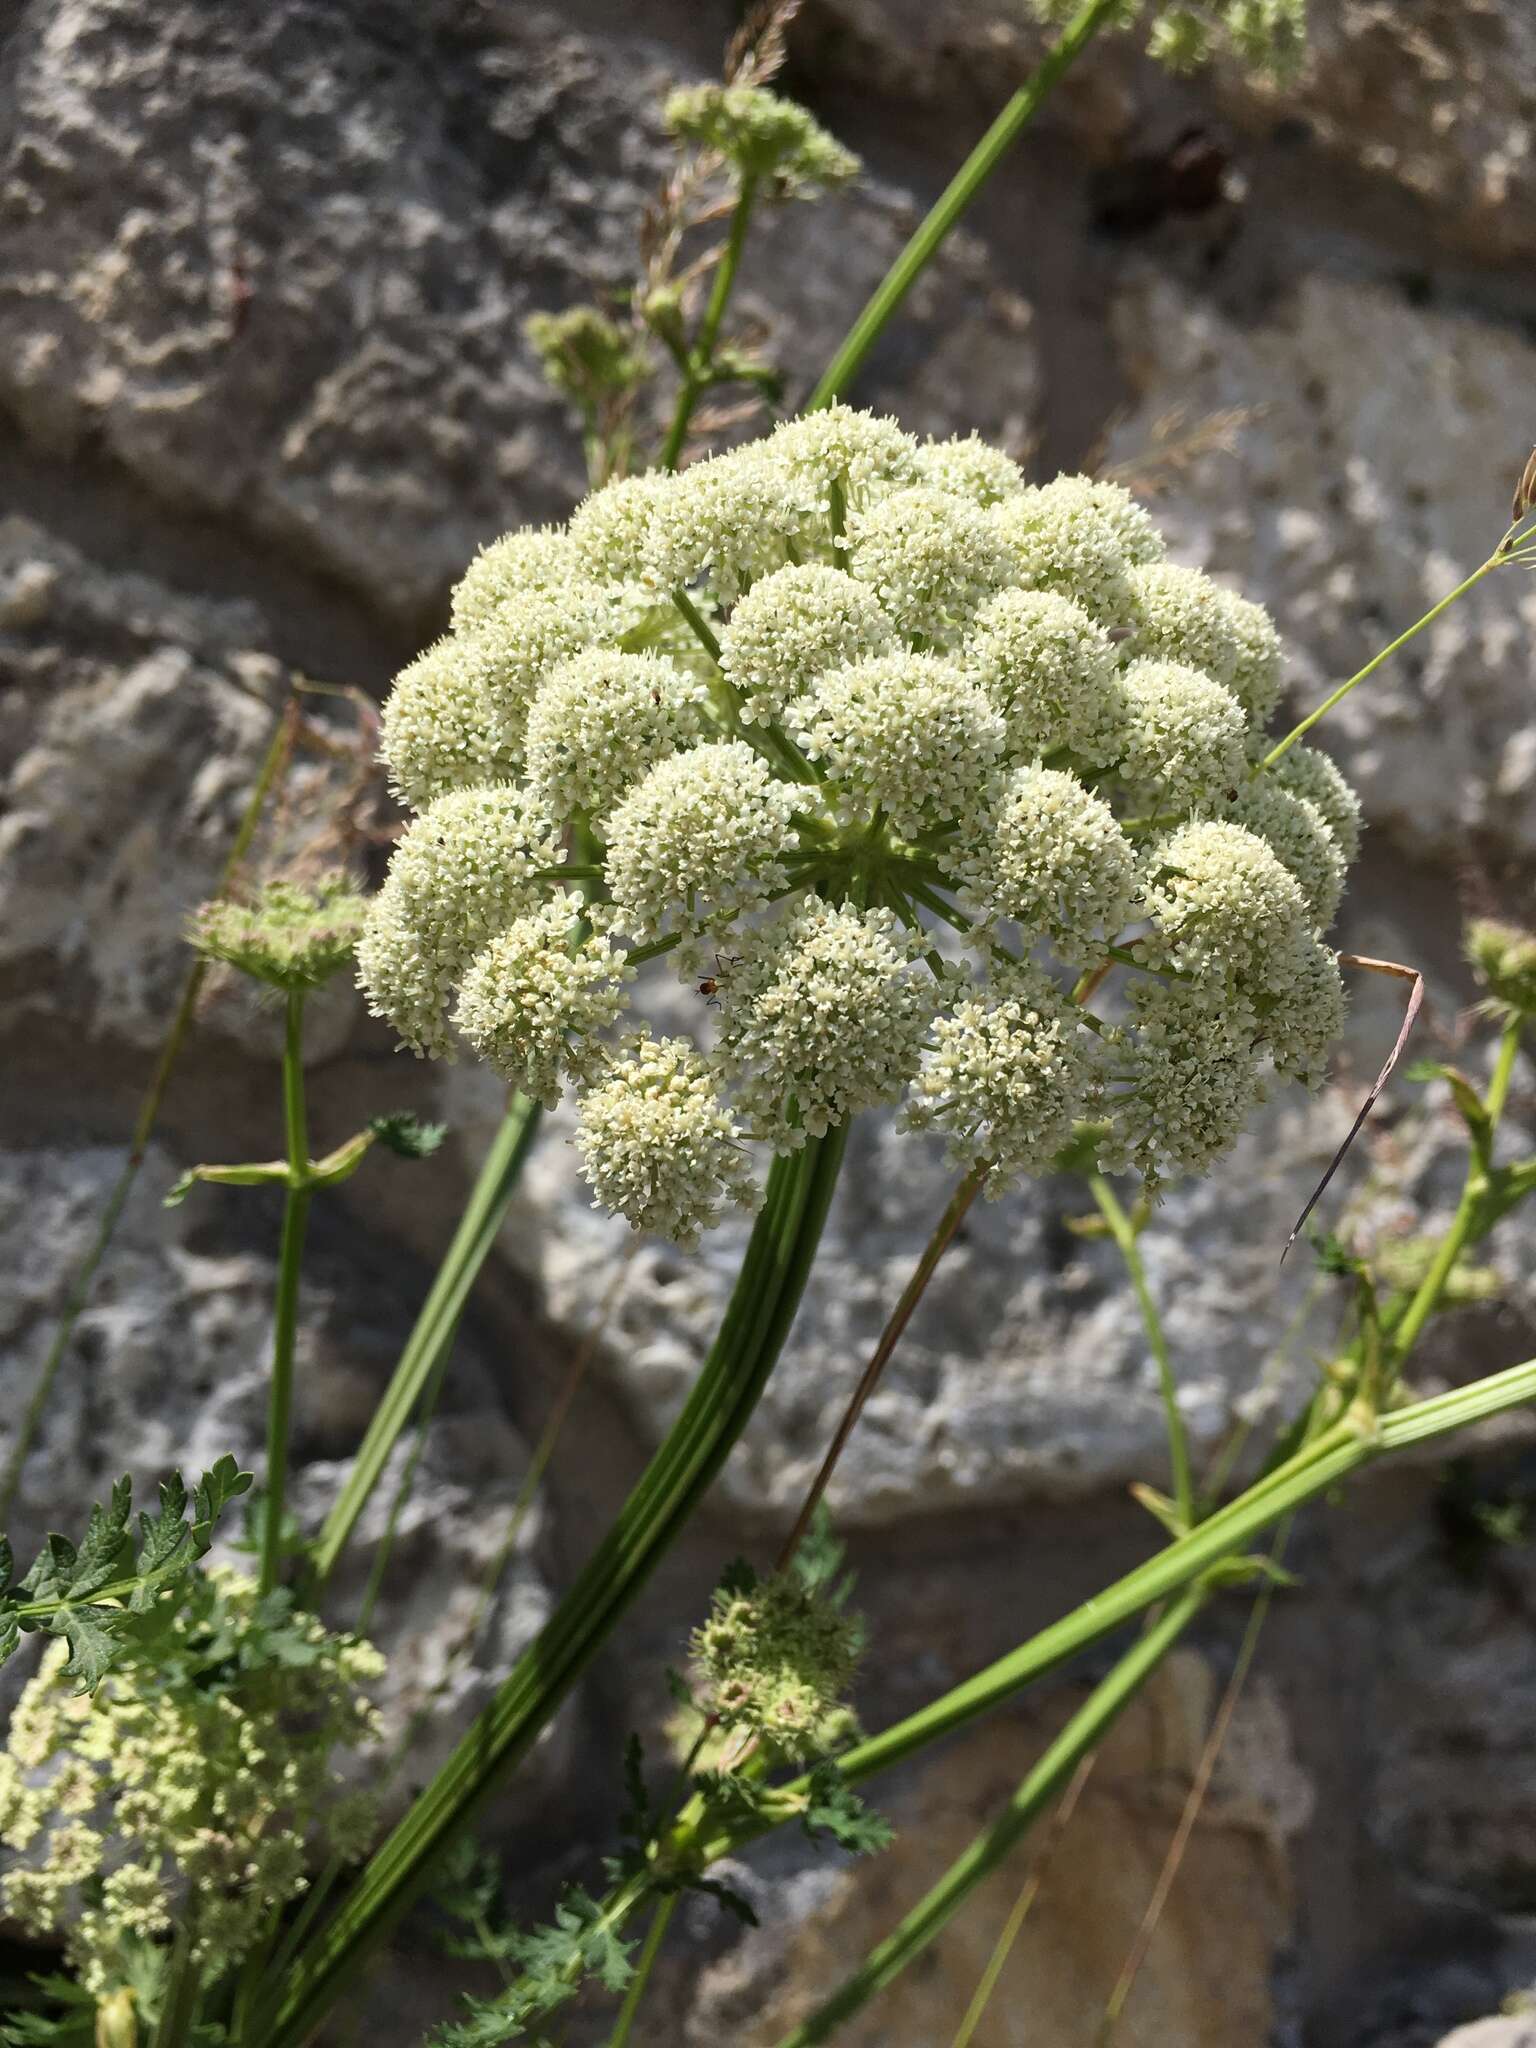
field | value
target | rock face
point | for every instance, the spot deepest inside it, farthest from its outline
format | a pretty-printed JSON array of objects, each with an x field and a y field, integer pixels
[{"x": 262, "y": 393}]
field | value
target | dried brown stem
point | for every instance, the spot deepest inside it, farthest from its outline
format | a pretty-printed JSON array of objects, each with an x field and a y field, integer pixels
[
  {"x": 954, "y": 1215},
  {"x": 1415, "y": 1003}
]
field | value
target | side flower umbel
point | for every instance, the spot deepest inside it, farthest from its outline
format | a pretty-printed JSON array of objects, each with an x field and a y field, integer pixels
[
  {"x": 191, "y": 1790},
  {"x": 889, "y": 754}
]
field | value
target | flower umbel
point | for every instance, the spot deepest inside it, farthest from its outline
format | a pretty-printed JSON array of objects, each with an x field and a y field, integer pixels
[
  {"x": 192, "y": 1787},
  {"x": 289, "y": 936},
  {"x": 880, "y": 744}
]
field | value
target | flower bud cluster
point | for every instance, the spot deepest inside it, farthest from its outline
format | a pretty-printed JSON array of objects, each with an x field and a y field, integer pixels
[
  {"x": 1269, "y": 35},
  {"x": 777, "y": 1660},
  {"x": 193, "y": 1788},
  {"x": 780, "y": 721},
  {"x": 288, "y": 936}
]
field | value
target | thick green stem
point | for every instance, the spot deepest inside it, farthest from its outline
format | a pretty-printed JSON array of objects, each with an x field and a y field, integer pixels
[
  {"x": 1340, "y": 1450},
  {"x": 757, "y": 1321},
  {"x": 290, "y": 1260},
  {"x": 1123, "y": 1232},
  {"x": 655, "y": 1935},
  {"x": 433, "y": 1334},
  {"x": 1337, "y": 697},
  {"x": 1036, "y": 1790},
  {"x": 179, "y": 2002},
  {"x": 956, "y": 199},
  {"x": 701, "y": 358},
  {"x": 149, "y": 1115}
]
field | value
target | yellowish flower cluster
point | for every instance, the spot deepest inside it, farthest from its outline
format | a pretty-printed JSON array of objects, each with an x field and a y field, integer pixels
[{"x": 189, "y": 1789}]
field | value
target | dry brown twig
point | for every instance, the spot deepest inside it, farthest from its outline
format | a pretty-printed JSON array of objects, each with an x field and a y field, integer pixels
[{"x": 1415, "y": 1003}]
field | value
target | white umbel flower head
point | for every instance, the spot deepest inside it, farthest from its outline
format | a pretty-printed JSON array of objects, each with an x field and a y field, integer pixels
[
  {"x": 447, "y": 725},
  {"x": 1258, "y": 659},
  {"x": 791, "y": 627},
  {"x": 659, "y": 1146},
  {"x": 601, "y": 720},
  {"x": 1307, "y": 772},
  {"x": 837, "y": 461},
  {"x": 461, "y": 872},
  {"x": 931, "y": 558},
  {"x": 1079, "y": 538},
  {"x": 615, "y": 533},
  {"x": 726, "y": 522},
  {"x": 1180, "y": 615},
  {"x": 535, "y": 999},
  {"x": 455, "y": 717},
  {"x": 1301, "y": 836},
  {"x": 1176, "y": 615},
  {"x": 824, "y": 1014},
  {"x": 1183, "y": 739},
  {"x": 1191, "y": 1079},
  {"x": 830, "y": 671},
  {"x": 909, "y": 734},
  {"x": 1006, "y": 1076},
  {"x": 1054, "y": 862},
  {"x": 1222, "y": 903},
  {"x": 540, "y": 558},
  {"x": 702, "y": 835},
  {"x": 1302, "y": 1014},
  {"x": 970, "y": 468},
  {"x": 1052, "y": 673}
]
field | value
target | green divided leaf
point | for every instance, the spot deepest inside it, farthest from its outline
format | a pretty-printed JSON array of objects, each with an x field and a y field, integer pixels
[
  {"x": 90, "y": 1596},
  {"x": 833, "y": 1808}
]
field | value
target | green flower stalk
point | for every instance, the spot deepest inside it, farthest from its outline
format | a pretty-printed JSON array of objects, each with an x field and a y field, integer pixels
[{"x": 293, "y": 939}]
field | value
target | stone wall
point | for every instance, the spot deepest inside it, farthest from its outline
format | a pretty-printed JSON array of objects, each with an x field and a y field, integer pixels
[{"x": 262, "y": 392}]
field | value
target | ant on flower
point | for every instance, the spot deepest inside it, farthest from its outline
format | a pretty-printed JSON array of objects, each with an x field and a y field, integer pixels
[{"x": 709, "y": 985}]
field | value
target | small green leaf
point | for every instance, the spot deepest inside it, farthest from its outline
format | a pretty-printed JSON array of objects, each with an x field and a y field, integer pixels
[
  {"x": 220, "y": 1485},
  {"x": 407, "y": 1135},
  {"x": 94, "y": 1636},
  {"x": 833, "y": 1808}
]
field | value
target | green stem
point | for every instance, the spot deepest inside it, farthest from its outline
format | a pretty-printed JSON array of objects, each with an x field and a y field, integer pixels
[
  {"x": 699, "y": 1840},
  {"x": 1036, "y": 1790},
  {"x": 956, "y": 199},
  {"x": 1405, "y": 1330},
  {"x": 1123, "y": 1232},
  {"x": 655, "y": 1935},
  {"x": 403, "y": 1491},
  {"x": 178, "y": 2008},
  {"x": 149, "y": 1115},
  {"x": 481, "y": 1222},
  {"x": 1297, "y": 732},
  {"x": 756, "y": 1323},
  {"x": 1340, "y": 1450},
  {"x": 701, "y": 358},
  {"x": 290, "y": 1260}
]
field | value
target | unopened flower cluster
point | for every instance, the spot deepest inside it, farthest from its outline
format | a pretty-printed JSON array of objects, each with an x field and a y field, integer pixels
[
  {"x": 290, "y": 935},
  {"x": 929, "y": 783},
  {"x": 1269, "y": 35},
  {"x": 777, "y": 1660},
  {"x": 189, "y": 1792}
]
